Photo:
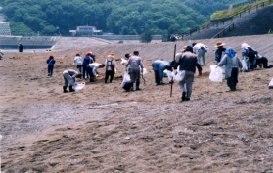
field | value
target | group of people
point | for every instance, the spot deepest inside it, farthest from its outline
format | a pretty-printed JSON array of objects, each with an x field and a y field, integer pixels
[
  {"x": 251, "y": 59},
  {"x": 186, "y": 62}
]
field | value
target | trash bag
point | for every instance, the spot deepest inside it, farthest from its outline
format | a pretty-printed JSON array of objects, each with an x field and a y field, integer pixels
[
  {"x": 144, "y": 71},
  {"x": 216, "y": 73},
  {"x": 78, "y": 86},
  {"x": 180, "y": 75},
  {"x": 245, "y": 67}
]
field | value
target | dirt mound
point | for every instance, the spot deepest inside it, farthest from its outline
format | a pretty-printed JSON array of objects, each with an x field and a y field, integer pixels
[{"x": 104, "y": 129}]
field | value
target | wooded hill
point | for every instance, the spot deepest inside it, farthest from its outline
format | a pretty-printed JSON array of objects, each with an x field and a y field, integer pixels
[{"x": 51, "y": 17}]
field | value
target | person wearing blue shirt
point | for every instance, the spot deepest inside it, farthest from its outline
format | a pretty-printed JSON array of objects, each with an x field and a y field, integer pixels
[
  {"x": 159, "y": 66},
  {"x": 50, "y": 65}
]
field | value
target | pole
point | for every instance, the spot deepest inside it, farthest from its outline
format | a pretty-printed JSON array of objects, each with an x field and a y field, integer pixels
[{"x": 174, "y": 52}]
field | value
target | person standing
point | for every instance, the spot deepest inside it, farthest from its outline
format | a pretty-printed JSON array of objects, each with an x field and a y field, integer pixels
[
  {"x": 219, "y": 51},
  {"x": 232, "y": 64},
  {"x": 200, "y": 50},
  {"x": 86, "y": 61},
  {"x": 50, "y": 65},
  {"x": 159, "y": 66},
  {"x": 78, "y": 62},
  {"x": 21, "y": 47},
  {"x": 69, "y": 79},
  {"x": 135, "y": 69},
  {"x": 110, "y": 68},
  {"x": 187, "y": 62}
]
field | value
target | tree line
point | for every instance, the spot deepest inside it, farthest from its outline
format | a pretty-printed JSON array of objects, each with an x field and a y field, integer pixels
[{"x": 51, "y": 17}]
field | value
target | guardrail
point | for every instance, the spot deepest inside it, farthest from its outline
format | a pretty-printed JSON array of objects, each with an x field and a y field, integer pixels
[{"x": 222, "y": 32}]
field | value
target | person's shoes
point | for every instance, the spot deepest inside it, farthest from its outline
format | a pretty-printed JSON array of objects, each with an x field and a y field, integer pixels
[
  {"x": 65, "y": 89},
  {"x": 71, "y": 89},
  {"x": 232, "y": 89},
  {"x": 138, "y": 89},
  {"x": 187, "y": 99},
  {"x": 183, "y": 98}
]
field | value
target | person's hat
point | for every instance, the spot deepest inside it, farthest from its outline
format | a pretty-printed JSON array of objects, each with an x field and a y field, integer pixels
[
  {"x": 189, "y": 48},
  {"x": 245, "y": 46},
  {"x": 219, "y": 44}
]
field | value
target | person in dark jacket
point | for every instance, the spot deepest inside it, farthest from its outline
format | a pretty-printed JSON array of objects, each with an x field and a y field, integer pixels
[
  {"x": 219, "y": 51},
  {"x": 69, "y": 79},
  {"x": 87, "y": 60},
  {"x": 92, "y": 70},
  {"x": 159, "y": 66},
  {"x": 50, "y": 65},
  {"x": 187, "y": 62},
  {"x": 21, "y": 47},
  {"x": 110, "y": 68}
]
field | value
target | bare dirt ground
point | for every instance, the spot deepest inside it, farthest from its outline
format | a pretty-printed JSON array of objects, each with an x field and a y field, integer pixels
[{"x": 104, "y": 129}]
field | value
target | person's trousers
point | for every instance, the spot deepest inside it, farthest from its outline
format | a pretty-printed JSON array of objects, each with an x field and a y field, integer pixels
[
  {"x": 89, "y": 71},
  {"x": 109, "y": 73},
  {"x": 68, "y": 80},
  {"x": 201, "y": 56},
  {"x": 233, "y": 79},
  {"x": 50, "y": 70},
  {"x": 79, "y": 67},
  {"x": 84, "y": 71},
  {"x": 188, "y": 80},
  {"x": 157, "y": 78},
  {"x": 135, "y": 76}
]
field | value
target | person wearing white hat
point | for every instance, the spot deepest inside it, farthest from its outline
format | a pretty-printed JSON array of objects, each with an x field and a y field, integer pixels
[
  {"x": 249, "y": 55},
  {"x": 219, "y": 51},
  {"x": 110, "y": 68}
]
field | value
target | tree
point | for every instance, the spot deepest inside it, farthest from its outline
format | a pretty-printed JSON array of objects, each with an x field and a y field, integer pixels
[{"x": 146, "y": 36}]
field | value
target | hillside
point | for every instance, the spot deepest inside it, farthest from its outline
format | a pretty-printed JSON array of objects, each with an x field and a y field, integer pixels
[
  {"x": 254, "y": 22},
  {"x": 50, "y": 17},
  {"x": 104, "y": 129}
]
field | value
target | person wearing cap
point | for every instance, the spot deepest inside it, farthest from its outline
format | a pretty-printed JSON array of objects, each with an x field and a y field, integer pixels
[
  {"x": 50, "y": 65},
  {"x": 232, "y": 64},
  {"x": 159, "y": 66},
  {"x": 110, "y": 68},
  {"x": 69, "y": 79},
  {"x": 136, "y": 66},
  {"x": 219, "y": 51},
  {"x": 200, "y": 50},
  {"x": 187, "y": 62},
  {"x": 87, "y": 60},
  {"x": 78, "y": 62}
]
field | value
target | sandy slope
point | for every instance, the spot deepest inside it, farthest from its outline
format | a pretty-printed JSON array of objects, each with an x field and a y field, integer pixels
[{"x": 103, "y": 129}]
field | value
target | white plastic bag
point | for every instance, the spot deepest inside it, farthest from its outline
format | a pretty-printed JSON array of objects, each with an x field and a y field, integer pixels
[
  {"x": 126, "y": 78},
  {"x": 78, "y": 86},
  {"x": 180, "y": 75},
  {"x": 144, "y": 71},
  {"x": 216, "y": 73},
  {"x": 169, "y": 74},
  {"x": 245, "y": 67}
]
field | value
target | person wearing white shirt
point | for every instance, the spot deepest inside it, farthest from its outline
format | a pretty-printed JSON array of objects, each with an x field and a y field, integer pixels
[{"x": 78, "y": 62}]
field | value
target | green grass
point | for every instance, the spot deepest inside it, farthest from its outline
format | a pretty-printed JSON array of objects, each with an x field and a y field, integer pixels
[{"x": 225, "y": 14}]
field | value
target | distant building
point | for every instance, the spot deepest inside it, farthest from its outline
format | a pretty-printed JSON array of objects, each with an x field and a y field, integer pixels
[
  {"x": 5, "y": 28},
  {"x": 85, "y": 31}
]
